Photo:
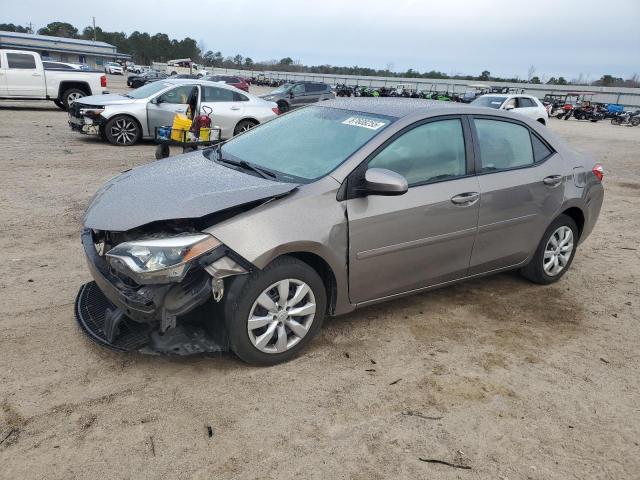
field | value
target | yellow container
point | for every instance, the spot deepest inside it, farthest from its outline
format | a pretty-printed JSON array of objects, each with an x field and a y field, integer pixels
[
  {"x": 181, "y": 125},
  {"x": 205, "y": 134}
]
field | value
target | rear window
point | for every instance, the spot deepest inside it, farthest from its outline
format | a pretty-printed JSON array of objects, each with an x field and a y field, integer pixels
[
  {"x": 21, "y": 60},
  {"x": 491, "y": 102}
]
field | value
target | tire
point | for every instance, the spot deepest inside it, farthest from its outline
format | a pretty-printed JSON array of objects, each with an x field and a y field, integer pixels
[
  {"x": 283, "y": 106},
  {"x": 122, "y": 131},
  {"x": 535, "y": 271},
  {"x": 71, "y": 95},
  {"x": 241, "y": 303},
  {"x": 243, "y": 126},
  {"x": 635, "y": 121}
]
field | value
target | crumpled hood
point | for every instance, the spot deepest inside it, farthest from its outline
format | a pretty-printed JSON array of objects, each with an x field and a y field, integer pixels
[
  {"x": 107, "y": 99},
  {"x": 185, "y": 186}
]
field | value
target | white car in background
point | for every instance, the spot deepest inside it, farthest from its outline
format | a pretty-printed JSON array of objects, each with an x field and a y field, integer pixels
[
  {"x": 113, "y": 68},
  {"x": 526, "y": 105},
  {"x": 125, "y": 119}
]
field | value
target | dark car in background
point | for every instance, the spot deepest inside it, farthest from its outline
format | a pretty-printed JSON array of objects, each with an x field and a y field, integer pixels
[
  {"x": 234, "y": 81},
  {"x": 299, "y": 94},
  {"x": 136, "y": 81}
]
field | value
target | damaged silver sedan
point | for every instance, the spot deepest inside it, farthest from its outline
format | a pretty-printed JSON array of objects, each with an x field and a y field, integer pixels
[{"x": 250, "y": 245}]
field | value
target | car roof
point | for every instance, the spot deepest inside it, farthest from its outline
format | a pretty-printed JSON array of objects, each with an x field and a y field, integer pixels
[
  {"x": 390, "y": 106},
  {"x": 193, "y": 81},
  {"x": 507, "y": 95}
]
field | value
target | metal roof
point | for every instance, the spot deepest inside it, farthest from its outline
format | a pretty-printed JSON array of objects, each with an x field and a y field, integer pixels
[{"x": 47, "y": 38}]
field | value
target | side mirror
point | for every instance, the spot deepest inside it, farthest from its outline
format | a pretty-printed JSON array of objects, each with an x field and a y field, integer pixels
[
  {"x": 291, "y": 94},
  {"x": 380, "y": 181}
]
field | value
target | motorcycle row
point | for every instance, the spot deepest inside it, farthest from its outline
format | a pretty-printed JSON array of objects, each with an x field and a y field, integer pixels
[
  {"x": 581, "y": 107},
  {"x": 406, "y": 91}
]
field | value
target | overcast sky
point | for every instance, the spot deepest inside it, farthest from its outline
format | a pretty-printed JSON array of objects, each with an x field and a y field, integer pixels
[{"x": 506, "y": 37}]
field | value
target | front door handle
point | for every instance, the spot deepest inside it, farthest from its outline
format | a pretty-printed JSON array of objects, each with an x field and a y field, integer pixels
[
  {"x": 35, "y": 74},
  {"x": 235, "y": 108},
  {"x": 552, "y": 180},
  {"x": 465, "y": 199}
]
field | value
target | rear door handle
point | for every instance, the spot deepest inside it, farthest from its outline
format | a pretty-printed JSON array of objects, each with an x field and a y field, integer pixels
[
  {"x": 552, "y": 180},
  {"x": 466, "y": 199},
  {"x": 235, "y": 108}
]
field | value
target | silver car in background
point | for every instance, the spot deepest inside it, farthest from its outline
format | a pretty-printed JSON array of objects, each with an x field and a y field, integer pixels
[
  {"x": 125, "y": 119},
  {"x": 326, "y": 209}
]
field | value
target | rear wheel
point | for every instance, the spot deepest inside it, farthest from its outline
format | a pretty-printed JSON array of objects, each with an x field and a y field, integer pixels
[
  {"x": 283, "y": 106},
  {"x": 243, "y": 126},
  {"x": 635, "y": 121},
  {"x": 71, "y": 95},
  {"x": 122, "y": 131},
  {"x": 555, "y": 252},
  {"x": 274, "y": 313}
]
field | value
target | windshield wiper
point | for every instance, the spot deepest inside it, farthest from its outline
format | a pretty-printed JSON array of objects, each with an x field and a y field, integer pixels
[{"x": 246, "y": 165}]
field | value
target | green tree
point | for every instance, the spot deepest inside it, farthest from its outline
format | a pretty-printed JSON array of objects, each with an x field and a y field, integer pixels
[
  {"x": 535, "y": 80},
  {"x": 562, "y": 81},
  {"x": 59, "y": 29},
  {"x": 485, "y": 75},
  {"x": 10, "y": 27},
  {"x": 248, "y": 62},
  {"x": 238, "y": 60},
  {"x": 286, "y": 61}
]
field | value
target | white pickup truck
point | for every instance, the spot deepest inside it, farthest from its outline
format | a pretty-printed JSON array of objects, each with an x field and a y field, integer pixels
[{"x": 23, "y": 77}]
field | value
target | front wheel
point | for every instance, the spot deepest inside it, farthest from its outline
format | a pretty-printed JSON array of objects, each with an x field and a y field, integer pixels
[
  {"x": 283, "y": 106},
  {"x": 122, "y": 131},
  {"x": 243, "y": 126},
  {"x": 555, "y": 252},
  {"x": 274, "y": 313}
]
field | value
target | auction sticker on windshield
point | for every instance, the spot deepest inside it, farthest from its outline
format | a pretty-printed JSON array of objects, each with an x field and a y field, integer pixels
[{"x": 364, "y": 123}]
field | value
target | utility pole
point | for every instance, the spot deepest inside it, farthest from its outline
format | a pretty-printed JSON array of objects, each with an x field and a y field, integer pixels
[
  {"x": 30, "y": 27},
  {"x": 94, "y": 28}
]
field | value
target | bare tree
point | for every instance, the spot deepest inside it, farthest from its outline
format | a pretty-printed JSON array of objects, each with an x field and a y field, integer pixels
[{"x": 531, "y": 72}]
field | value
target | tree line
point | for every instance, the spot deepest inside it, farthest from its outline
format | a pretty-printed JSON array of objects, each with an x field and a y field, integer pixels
[{"x": 146, "y": 48}]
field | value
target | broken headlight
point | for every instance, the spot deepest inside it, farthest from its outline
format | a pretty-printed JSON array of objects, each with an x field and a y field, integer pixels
[{"x": 160, "y": 260}]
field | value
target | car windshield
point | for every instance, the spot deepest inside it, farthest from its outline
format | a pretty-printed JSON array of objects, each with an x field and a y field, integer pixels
[
  {"x": 491, "y": 102},
  {"x": 282, "y": 89},
  {"x": 147, "y": 90},
  {"x": 306, "y": 144}
]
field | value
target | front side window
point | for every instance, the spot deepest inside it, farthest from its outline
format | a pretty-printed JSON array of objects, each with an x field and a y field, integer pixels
[
  {"x": 179, "y": 95},
  {"x": 306, "y": 144},
  {"x": 298, "y": 89},
  {"x": 430, "y": 152},
  {"x": 21, "y": 61},
  {"x": 215, "y": 94},
  {"x": 147, "y": 90},
  {"x": 503, "y": 145}
]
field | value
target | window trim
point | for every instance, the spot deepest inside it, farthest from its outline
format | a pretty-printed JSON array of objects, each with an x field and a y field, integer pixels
[
  {"x": 357, "y": 174},
  {"x": 476, "y": 144}
]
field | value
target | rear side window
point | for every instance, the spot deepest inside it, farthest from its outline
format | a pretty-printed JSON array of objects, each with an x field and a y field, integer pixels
[
  {"x": 503, "y": 145},
  {"x": 215, "y": 94},
  {"x": 429, "y": 152},
  {"x": 315, "y": 87},
  {"x": 21, "y": 60},
  {"x": 524, "y": 102},
  {"x": 238, "y": 97},
  {"x": 540, "y": 150}
]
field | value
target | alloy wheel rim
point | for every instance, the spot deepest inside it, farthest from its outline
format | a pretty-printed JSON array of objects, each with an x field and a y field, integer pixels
[
  {"x": 124, "y": 131},
  {"x": 281, "y": 316},
  {"x": 245, "y": 127},
  {"x": 558, "y": 251},
  {"x": 72, "y": 97}
]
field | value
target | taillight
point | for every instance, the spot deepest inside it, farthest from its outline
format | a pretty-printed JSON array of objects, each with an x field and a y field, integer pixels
[
  {"x": 276, "y": 110},
  {"x": 598, "y": 171},
  {"x": 103, "y": 81}
]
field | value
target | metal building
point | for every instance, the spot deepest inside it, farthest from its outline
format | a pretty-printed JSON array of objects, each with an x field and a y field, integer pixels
[{"x": 94, "y": 54}]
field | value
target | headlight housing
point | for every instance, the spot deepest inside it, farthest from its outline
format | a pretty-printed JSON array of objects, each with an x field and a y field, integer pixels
[
  {"x": 160, "y": 260},
  {"x": 93, "y": 112}
]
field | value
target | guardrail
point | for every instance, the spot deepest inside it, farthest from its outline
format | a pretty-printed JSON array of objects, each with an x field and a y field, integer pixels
[{"x": 628, "y": 97}]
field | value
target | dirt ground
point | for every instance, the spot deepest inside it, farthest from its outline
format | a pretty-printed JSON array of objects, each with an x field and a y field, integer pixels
[{"x": 513, "y": 380}]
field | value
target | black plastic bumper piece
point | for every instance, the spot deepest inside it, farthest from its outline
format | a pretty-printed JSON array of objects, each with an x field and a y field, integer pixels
[
  {"x": 104, "y": 323},
  {"x": 95, "y": 314}
]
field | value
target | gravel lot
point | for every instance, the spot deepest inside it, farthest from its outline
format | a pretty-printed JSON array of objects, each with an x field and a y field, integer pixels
[{"x": 514, "y": 380}]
